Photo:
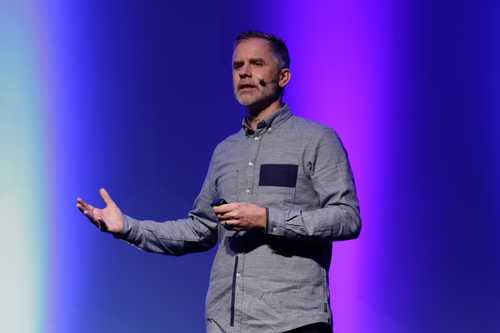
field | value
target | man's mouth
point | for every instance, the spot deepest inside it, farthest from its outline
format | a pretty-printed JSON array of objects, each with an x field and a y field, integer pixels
[{"x": 246, "y": 86}]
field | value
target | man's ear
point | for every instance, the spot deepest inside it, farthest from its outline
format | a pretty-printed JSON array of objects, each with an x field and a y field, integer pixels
[{"x": 284, "y": 77}]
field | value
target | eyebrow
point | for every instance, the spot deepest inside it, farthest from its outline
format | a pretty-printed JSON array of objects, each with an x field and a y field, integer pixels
[
  {"x": 257, "y": 60},
  {"x": 252, "y": 61}
]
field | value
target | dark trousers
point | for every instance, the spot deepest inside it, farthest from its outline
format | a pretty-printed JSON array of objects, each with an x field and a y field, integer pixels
[{"x": 313, "y": 328}]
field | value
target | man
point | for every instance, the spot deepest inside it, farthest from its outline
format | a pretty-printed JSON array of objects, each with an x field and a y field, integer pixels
[{"x": 289, "y": 192}]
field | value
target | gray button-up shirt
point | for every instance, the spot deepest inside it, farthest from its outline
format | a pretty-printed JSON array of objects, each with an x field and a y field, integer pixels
[{"x": 273, "y": 280}]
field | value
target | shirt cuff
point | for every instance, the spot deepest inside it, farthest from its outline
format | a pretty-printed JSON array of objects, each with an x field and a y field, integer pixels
[
  {"x": 274, "y": 220},
  {"x": 129, "y": 231},
  {"x": 286, "y": 223}
]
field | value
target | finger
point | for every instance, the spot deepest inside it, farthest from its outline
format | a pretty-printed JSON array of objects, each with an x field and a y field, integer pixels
[
  {"x": 87, "y": 212},
  {"x": 232, "y": 223},
  {"x": 227, "y": 217},
  {"x": 226, "y": 214},
  {"x": 90, "y": 217},
  {"x": 226, "y": 207},
  {"x": 80, "y": 208},
  {"x": 84, "y": 204},
  {"x": 105, "y": 196},
  {"x": 97, "y": 214}
]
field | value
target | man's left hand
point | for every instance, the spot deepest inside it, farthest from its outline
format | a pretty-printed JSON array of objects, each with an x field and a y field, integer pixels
[{"x": 242, "y": 216}]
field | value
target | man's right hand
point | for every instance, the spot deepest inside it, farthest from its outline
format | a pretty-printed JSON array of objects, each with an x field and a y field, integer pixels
[{"x": 109, "y": 218}]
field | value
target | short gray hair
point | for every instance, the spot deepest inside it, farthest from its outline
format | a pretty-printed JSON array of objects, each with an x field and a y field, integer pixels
[{"x": 277, "y": 44}]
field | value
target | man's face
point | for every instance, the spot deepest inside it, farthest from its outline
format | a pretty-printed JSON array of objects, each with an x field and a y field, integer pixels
[{"x": 253, "y": 61}]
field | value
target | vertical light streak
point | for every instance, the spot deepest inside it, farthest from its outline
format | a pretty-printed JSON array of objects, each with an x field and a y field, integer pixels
[
  {"x": 340, "y": 62},
  {"x": 22, "y": 175}
]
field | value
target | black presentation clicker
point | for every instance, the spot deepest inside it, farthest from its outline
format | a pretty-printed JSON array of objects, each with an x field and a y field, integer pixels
[{"x": 218, "y": 202}]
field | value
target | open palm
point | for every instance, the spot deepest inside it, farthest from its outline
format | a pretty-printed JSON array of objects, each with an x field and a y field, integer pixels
[{"x": 109, "y": 218}]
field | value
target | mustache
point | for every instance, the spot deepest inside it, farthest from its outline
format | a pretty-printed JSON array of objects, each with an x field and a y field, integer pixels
[{"x": 247, "y": 84}]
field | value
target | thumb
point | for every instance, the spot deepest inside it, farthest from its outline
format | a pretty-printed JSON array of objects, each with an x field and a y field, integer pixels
[{"x": 105, "y": 196}]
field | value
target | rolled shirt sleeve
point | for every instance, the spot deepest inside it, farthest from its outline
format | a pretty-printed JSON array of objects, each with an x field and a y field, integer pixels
[
  {"x": 196, "y": 233},
  {"x": 331, "y": 177}
]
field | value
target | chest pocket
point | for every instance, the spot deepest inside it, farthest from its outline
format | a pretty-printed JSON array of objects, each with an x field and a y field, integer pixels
[{"x": 278, "y": 180}]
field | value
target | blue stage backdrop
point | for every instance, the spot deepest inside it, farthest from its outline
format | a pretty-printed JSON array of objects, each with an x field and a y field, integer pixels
[{"x": 133, "y": 96}]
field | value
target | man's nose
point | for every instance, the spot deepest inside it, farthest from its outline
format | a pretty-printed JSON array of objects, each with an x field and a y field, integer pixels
[{"x": 245, "y": 71}]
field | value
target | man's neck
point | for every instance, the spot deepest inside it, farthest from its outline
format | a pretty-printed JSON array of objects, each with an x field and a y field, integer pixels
[{"x": 256, "y": 116}]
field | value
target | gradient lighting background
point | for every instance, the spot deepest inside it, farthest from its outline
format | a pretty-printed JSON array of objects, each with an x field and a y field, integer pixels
[
  {"x": 134, "y": 97},
  {"x": 22, "y": 177}
]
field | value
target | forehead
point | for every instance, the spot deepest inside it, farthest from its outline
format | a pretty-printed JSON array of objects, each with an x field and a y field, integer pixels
[{"x": 253, "y": 48}]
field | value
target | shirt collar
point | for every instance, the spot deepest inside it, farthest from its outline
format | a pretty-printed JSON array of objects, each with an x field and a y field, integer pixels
[{"x": 274, "y": 120}]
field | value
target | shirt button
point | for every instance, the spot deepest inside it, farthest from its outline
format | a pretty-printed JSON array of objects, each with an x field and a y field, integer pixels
[
  {"x": 247, "y": 190},
  {"x": 256, "y": 138},
  {"x": 238, "y": 274},
  {"x": 250, "y": 163},
  {"x": 275, "y": 229}
]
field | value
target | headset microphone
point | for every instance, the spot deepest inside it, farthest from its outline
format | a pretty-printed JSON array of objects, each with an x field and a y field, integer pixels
[{"x": 262, "y": 82}]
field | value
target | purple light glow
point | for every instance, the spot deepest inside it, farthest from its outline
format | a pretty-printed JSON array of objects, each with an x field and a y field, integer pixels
[{"x": 340, "y": 63}]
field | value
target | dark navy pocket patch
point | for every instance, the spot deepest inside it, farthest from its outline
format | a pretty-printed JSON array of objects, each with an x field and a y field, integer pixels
[{"x": 284, "y": 175}]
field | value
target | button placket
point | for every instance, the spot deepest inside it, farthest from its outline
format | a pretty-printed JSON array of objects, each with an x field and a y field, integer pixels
[
  {"x": 254, "y": 148},
  {"x": 240, "y": 281}
]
